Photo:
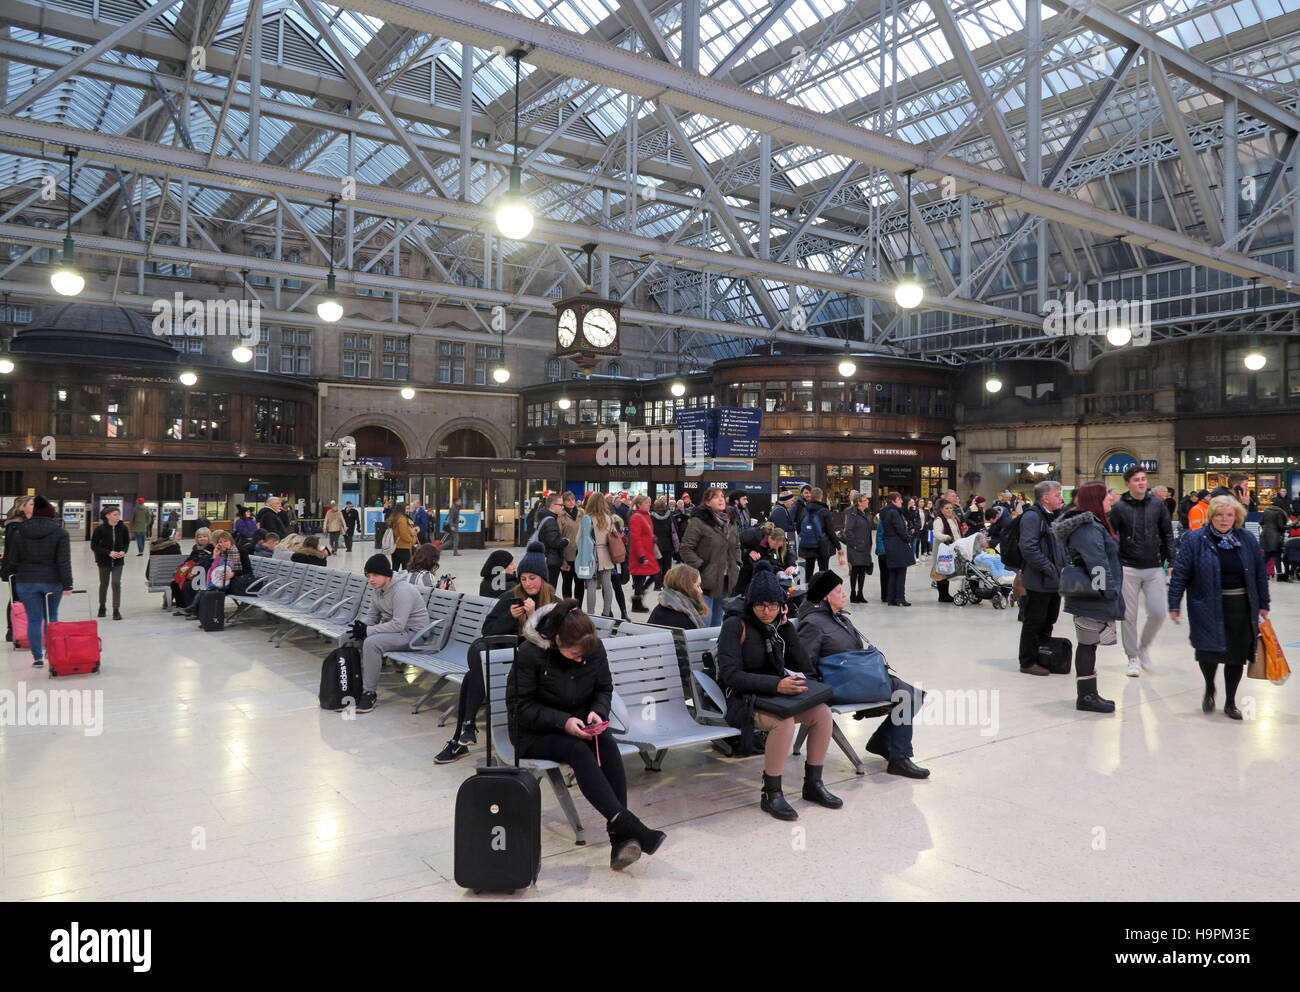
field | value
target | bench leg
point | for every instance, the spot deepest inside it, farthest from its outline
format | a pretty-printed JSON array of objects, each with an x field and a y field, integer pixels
[
  {"x": 554, "y": 776},
  {"x": 653, "y": 762},
  {"x": 447, "y": 714},
  {"x": 837, "y": 735},
  {"x": 800, "y": 737},
  {"x": 429, "y": 695}
]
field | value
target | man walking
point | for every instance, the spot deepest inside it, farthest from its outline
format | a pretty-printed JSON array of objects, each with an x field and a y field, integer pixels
[
  {"x": 1044, "y": 558},
  {"x": 353, "y": 520},
  {"x": 141, "y": 521},
  {"x": 551, "y": 537},
  {"x": 453, "y": 527},
  {"x": 1146, "y": 542}
]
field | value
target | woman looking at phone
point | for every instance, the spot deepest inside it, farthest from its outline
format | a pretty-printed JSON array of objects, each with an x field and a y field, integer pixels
[{"x": 558, "y": 698}]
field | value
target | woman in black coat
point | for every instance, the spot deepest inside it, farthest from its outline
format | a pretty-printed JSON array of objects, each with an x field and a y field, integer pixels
[
  {"x": 661, "y": 519},
  {"x": 768, "y": 543},
  {"x": 681, "y": 600},
  {"x": 109, "y": 542},
  {"x": 898, "y": 550},
  {"x": 859, "y": 538},
  {"x": 560, "y": 685},
  {"x": 1273, "y": 527},
  {"x": 754, "y": 650}
]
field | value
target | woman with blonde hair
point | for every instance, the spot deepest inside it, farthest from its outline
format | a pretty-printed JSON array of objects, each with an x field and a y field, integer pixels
[
  {"x": 767, "y": 541},
  {"x": 593, "y": 564},
  {"x": 681, "y": 600}
]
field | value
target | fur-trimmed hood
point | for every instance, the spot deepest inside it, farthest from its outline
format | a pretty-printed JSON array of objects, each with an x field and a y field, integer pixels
[
  {"x": 1071, "y": 522},
  {"x": 532, "y": 634}
]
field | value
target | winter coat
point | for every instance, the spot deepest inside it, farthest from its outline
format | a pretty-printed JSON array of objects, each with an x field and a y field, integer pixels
[
  {"x": 246, "y": 528},
  {"x": 858, "y": 526},
  {"x": 500, "y": 621},
  {"x": 141, "y": 519},
  {"x": 453, "y": 518},
  {"x": 1087, "y": 542},
  {"x": 593, "y": 546},
  {"x": 945, "y": 533},
  {"x": 898, "y": 538},
  {"x": 713, "y": 549},
  {"x": 829, "y": 541},
  {"x": 880, "y": 534},
  {"x": 38, "y": 550},
  {"x": 403, "y": 531},
  {"x": 1272, "y": 528},
  {"x": 664, "y": 531},
  {"x": 571, "y": 531},
  {"x": 397, "y": 608},
  {"x": 1197, "y": 515},
  {"x": 262, "y": 551},
  {"x": 271, "y": 522},
  {"x": 551, "y": 538},
  {"x": 310, "y": 556},
  {"x": 1043, "y": 553},
  {"x": 675, "y": 610},
  {"x": 1146, "y": 534},
  {"x": 236, "y": 559},
  {"x": 545, "y": 688},
  {"x": 783, "y": 518},
  {"x": 420, "y": 521},
  {"x": 496, "y": 582},
  {"x": 165, "y": 546},
  {"x": 746, "y": 666},
  {"x": 333, "y": 521},
  {"x": 641, "y": 558},
  {"x": 105, "y": 539},
  {"x": 755, "y": 539},
  {"x": 1196, "y": 570},
  {"x": 351, "y": 518},
  {"x": 824, "y": 632}
]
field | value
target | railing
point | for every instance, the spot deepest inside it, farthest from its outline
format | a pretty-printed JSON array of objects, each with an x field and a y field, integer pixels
[{"x": 1132, "y": 403}]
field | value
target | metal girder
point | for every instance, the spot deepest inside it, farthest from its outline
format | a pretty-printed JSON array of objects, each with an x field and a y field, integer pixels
[
  {"x": 1264, "y": 195},
  {"x": 723, "y": 68},
  {"x": 563, "y": 52},
  {"x": 1192, "y": 165}
]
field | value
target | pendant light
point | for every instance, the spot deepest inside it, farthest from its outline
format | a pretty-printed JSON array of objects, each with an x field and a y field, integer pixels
[
  {"x": 330, "y": 309},
  {"x": 514, "y": 218},
  {"x": 678, "y": 388},
  {"x": 408, "y": 393},
  {"x": 847, "y": 366},
  {"x": 242, "y": 353},
  {"x": 66, "y": 280},
  {"x": 7, "y": 363},
  {"x": 993, "y": 383},
  {"x": 501, "y": 374},
  {"x": 1255, "y": 359},
  {"x": 188, "y": 378},
  {"x": 908, "y": 292}
]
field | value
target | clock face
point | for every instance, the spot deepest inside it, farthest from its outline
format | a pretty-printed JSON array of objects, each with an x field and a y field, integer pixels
[
  {"x": 567, "y": 328},
  {"x": 599, "y": 327}
]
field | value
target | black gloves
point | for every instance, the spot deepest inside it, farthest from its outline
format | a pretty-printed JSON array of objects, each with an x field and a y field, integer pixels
[{"x": 358, "y": 630}]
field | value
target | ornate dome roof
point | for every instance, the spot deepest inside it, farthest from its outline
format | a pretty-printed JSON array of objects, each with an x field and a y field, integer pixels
[{"x": 91, "y": 329}]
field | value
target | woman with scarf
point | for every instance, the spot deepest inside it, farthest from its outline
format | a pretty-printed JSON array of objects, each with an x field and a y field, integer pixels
[
  {"x": 712, "y": 546},
  {"x": 681, "y": 600},
  {"x": 765, "y": 543}
]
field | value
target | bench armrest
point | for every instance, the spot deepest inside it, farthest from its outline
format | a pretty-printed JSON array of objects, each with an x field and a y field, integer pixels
[
  {"x": 711, "y": 689},
  {"x": 425, "y": 635}
]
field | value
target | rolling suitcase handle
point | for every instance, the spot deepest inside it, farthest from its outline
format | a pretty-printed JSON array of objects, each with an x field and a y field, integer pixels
[
  {"x": 487, "y": 644},
  {"x": 69, "y": 592}
]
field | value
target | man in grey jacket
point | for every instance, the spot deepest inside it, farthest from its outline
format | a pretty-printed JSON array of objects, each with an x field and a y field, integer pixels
[
  {"x": 396, "y": 613},
  {"x": 1146, "y": 541},
  {"x": 1041, "y": 576}
]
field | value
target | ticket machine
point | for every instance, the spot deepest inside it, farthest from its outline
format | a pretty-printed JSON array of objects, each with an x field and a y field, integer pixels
[{"x": 73, "y": 513}]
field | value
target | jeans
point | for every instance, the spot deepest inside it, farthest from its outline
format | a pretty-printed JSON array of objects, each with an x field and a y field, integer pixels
[
  {"x": 1041, "y": 611},
  {"x": 883, "y": 569},
  {"x": 32, "y": 596},
  {"x": 347, "y": 538},
  {"x": 714, "y": 603},
  {"x": 111, "y": 574},
  {"x": 139, "y": 541},
  {"x": 453, "y": 540},
  {"x": 1148, "y": 584},
  {"x": 897, "y": 587},
  {"x": 894, "y": 734}
]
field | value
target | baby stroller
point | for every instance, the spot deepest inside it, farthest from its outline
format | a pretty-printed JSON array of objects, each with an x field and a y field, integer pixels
[
  {"x": 978, "y": 579},
  {"x": 1291, "y": 558}
]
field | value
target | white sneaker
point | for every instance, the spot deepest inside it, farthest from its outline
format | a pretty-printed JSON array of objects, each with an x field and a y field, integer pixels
[
  {"x": 1147, "y": 664},
  {"x": 1133, "y": 669}
]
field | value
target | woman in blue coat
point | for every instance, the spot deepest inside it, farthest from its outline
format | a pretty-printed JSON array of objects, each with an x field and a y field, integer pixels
[
  {"x": 1222, "y": 569},
  {"x": 1090, "y": 542}
]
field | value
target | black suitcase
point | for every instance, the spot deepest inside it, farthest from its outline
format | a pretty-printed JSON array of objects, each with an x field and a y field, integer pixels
[
  {"x": 498, "y": 827},
  {"x": 1054, "y": 654},
  {"x": 212, "y": 610},
  {"x": 340, "y": 678}
]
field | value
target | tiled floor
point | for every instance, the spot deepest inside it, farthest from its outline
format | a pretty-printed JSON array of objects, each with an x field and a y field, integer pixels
[{"x": 216, "y": 776}]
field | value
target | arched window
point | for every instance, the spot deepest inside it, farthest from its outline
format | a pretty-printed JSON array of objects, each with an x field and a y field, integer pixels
[
  {"x": 259, "y": 251},
  {"x": 614, "y": 368},
  {"x": 294, "y": 256},
  {"x": 553, "y": 370}
]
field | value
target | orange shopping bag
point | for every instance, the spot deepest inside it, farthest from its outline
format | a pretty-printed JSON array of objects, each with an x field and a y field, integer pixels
[{"x": 1270, "y": 662}]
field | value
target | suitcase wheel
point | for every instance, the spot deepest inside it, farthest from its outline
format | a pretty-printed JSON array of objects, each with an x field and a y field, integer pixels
[
  {"x": 53, "y": 674},
  {"x": 95, "y": 670}
]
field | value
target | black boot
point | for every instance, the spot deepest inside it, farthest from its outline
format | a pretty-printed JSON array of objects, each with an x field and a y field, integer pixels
[
  {"x": 1088, "y": 700},
  {"x": 102, "y": 612},
  {"x": 636, "y": 604},
  {"x": 907, "y": 768},
  {"x": 815, "y": 792},
  {"x": 629, "y": 838},
  {"x": 773, "y": 801}
]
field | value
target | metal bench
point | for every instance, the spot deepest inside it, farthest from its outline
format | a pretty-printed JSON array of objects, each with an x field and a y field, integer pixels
[
  {"x": 647, "y": 680},
  {"x": 837, "y": 735},
  {"x": 316, "y": 592},
  {"x": 604, "y": 625},
  {"x": 450, "y": 663},
  {"x": 158, "y": 572},
  {"x": 498, "y": 664}
]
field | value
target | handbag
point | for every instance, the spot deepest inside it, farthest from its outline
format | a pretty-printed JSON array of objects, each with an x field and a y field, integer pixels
[
  {"x": 617, "y": 549},
  {"x": 858, "y": 676},
  {"x": 1076, "y": 583},
  {"x": 782, "y": 707},
  {"x": 1269, "y": 662}
]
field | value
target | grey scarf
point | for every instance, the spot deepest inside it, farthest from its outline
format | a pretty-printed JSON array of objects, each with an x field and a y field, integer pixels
[{"x": 674, "y": 600}]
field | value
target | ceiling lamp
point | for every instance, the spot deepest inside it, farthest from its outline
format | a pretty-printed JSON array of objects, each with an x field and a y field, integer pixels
[
  {"x": 1255, "y": 359},
  {"x": 908, "y": 292},
  {"x": 1120, "y": 336},
  {"x": 501, "y": 374},
  {"x": 678, "y": 388},
  {"x": 6, "y": 363},
  {"x": 188, "y": 378},
  {"x": 847, "y": 366},
  {"x": 564, "y": 403},
  {"x": 408, "y": 393},
  {"x": 242, "y": 353},
  {"x": 514, "y": 218},
  {"x": 66, "y": 280},
  {"x": 993, "y": 383},
  {"x": 330, "y": 309}
]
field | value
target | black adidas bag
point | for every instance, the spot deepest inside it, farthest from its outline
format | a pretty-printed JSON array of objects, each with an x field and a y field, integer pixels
[
  {"x": 498, "y": 827},
  {"x": 1054, "y": 654},
  {"x": 340, "y": 678},
  {"x": 211, "y": 609}
]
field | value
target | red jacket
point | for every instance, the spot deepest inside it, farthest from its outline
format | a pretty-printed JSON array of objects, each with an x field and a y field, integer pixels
[{"x": 642, "y": 546}]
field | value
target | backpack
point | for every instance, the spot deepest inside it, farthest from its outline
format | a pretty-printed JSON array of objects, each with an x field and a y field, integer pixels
[
  {"x": 340, "y": 678},
  {"x": 389, "y": 543},
  {"x": 810, "y": 532},
  {"x": 1009, "y": 544}
]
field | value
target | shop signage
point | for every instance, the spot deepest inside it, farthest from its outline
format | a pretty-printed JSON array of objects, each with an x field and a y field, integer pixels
[
  {"x": 501, "y": 470},
  {"x": 787, "y": 482},
  {"x": 904, "y": 452},
  {"x": 895, "y": 474},
  {"x": 1120, "y": 462},
  {"x": 381, "y": 462},
  {"x": 189, "y": 509},
  {"x": 1238, "y": 460},
  {"x": 744, "y": 487}
]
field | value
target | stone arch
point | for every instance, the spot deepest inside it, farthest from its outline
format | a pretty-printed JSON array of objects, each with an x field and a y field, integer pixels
[
  {"x": 1110, "y": 451},
  {"x": 489, "y": 430},
  {"x": 398, "y": 427}
]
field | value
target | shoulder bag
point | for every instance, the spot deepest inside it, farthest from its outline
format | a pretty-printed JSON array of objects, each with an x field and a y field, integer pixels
[{"x": 617, "y": 549}]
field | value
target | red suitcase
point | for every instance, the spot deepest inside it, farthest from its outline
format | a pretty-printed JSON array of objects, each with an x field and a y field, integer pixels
[
  {"x": 72, "y": 647},
  {"x": 18, "y": 618}
]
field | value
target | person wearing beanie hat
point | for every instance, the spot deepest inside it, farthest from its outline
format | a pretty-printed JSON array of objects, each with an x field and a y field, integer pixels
[
  {"x": 38, "y": 559},
  {"x": 497, "y": 573},
  {"x": 825, "y": 629},
  {"x": 109, "y": 542},
  {"x": 755, "y": 649},
  {"x": 396, "y": 613},
  {"x": 508, "y": 616},
  {"x": 141, "y": 521}
]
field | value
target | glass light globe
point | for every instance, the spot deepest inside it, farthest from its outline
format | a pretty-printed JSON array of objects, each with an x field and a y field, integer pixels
[
  {"x": 678, "y": 388},
  {"x": 408, "y": 393},
  {"x": 329, "y": 310},
  {"x": 67, "y": 281},
  {"x": 501, "y": 374},
  {"x": 564, "y": 403},
  {"x": 242, "y": 353},
  {"x": 1255, "y": 361},
  {"x": 6, "y": 366},
  {"x": 908, "y": 293},
  {"x": 514, "y": 219},
  {"x": 993, "y": 384},
  {"x": 188, "y": 378},
  {"x": 846, "y": 367},
  {"x": 1119, "y": 336}
]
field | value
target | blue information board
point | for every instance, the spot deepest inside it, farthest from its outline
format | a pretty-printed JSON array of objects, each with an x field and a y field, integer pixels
[
  {"x": 704, "y": 424},
  {"x": 737, "y": 432}
]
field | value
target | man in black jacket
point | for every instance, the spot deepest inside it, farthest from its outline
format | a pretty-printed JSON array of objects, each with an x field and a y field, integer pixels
[
  {"x": 898, "y": 550},
  {"x": 352, "y": 520},
  {"x": 269, "y": 519},
  {"x": 1044, "y": 557},
  {"x": 1146, "y": 543},
  {"x": 548, "y": 533}
]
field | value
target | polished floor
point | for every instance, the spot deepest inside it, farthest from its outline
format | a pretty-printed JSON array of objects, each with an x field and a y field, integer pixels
[{"x": 217, "y": 777}]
